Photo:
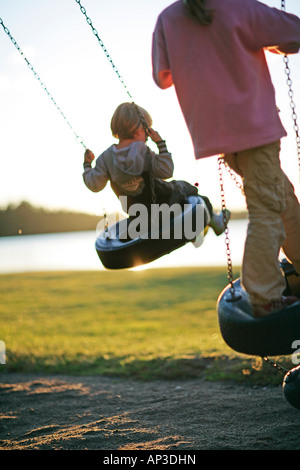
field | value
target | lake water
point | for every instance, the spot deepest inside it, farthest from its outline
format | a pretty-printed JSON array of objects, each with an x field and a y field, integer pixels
[{"x": 76, "y": 251}]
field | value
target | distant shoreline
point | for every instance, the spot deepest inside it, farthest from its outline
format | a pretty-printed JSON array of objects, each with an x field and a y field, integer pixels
[{"x": 26, "y": 219}]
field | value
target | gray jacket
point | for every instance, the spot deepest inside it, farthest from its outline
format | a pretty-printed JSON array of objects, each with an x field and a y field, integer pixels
[{"x": 125, "y": 167}]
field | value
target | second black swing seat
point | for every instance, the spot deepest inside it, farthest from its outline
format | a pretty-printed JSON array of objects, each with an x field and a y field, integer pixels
[
  {"x": 273, "y": 335},
  {"x": 117, "y": 253}
]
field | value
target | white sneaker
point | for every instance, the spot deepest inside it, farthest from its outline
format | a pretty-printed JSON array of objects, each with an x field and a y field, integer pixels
[{"x": 217, "y": 222}]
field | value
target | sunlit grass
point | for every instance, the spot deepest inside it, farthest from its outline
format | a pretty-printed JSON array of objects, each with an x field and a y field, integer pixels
[{"x": 145, "y": 324}]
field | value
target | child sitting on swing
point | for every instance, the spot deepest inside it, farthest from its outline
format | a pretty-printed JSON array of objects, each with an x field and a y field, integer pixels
[{"x": 134, "y": 170}]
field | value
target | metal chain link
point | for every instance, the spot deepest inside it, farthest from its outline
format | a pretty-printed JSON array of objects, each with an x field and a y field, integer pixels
[
  {"x": 292, "y": 105},
  {"x": 225, "y": 222},
  {"x": 233, "y": 176},
  {"x": 95, "y": 32},
  {"x": 296, "y": 128},
  {"x": 274, "y": 364},
  {"x": 105, "y": 221},
  {"x": 78, "y": 138},
  {"x": 239, "y": 185},
  {"x": 291, "y": 96},
  {"x": 108, "y": 56}
]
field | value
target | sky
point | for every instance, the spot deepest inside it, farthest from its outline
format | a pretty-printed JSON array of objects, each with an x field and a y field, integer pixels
[{"x": 40, "y": 158}]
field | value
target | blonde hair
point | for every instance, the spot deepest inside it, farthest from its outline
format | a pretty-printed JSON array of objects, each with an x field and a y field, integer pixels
[{"x": 126, "y": 120}]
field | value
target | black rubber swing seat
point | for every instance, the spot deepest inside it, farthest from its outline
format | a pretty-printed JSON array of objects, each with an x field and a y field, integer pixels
[
  {"x": 269, "y": 336},
  {"x": 121, "y": 254}
]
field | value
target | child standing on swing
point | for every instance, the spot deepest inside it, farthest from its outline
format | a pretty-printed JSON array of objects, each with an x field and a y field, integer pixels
[
  {"x": 128, "y": 165},
  {"x": 212, "y": 51}
]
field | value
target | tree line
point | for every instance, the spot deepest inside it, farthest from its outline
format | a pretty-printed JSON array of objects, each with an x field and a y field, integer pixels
[{"x": 26, "y": 219}]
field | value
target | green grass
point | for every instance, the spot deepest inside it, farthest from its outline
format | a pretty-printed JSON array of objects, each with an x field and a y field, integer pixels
[{"x": 152, "y": 324}]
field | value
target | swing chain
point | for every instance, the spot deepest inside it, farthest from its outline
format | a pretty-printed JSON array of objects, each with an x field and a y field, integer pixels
[
  {"x": 95, "y": 32},
  {"x": 105, "y": 221},
  {"x": 142, "y": 119},
  {"x": 7, "y": 31},
  {"x": 239, "y": 185},
  {"x": 225, "y": 221},
  {"x": 108, "y": 56},
  {"x": 233, "y": 175},
  {"x": 291, "y": 95},
  {"x": 292, "y": 105},
  {"x": 274, "y": 364}
]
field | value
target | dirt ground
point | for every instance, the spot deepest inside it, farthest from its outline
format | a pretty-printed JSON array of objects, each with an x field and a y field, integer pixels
[{"x": 100, "y": 413}]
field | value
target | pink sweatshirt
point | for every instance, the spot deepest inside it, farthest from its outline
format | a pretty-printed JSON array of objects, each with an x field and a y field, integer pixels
[{"x": 220, "y": 72}]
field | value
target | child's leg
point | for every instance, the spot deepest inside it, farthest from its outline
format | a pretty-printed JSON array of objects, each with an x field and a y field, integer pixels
[
  {"x": 265, "y": 197},
  {"x": 208, "y": 204},
  {"x": 181, "y": 190},
  {"x": 216, "y": 220}
]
